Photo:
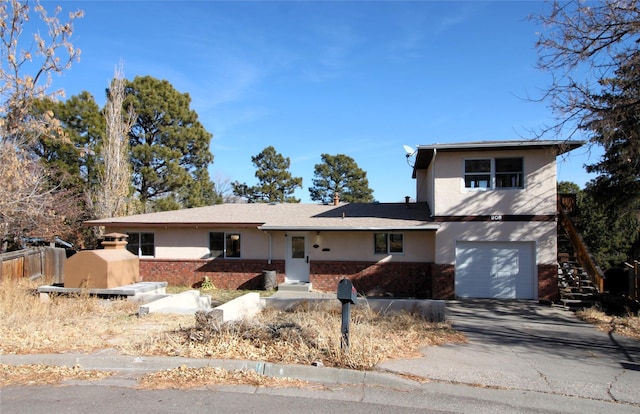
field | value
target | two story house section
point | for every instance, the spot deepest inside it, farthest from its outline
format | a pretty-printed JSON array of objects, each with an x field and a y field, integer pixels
[{"x": 495, "y": 204}]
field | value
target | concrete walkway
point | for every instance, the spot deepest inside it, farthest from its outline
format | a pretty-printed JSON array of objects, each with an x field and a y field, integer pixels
[{"x": 519, "y": 345}]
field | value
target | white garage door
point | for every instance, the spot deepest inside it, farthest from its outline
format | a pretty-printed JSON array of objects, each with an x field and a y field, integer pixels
[{"x": 501, "y": 270}]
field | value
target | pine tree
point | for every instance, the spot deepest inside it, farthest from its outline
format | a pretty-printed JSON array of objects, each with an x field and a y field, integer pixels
[
  {"x": 275, "y": 182},
  {"x": 339, "y": 174},
  {"x": 615, "y": 125},
  {"x": 169, "y": 148}
]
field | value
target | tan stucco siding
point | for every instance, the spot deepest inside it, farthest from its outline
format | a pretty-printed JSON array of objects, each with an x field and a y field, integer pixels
[
  {"x": 538, "y": 197},
  {"x": 424, "y": 188},
  {"x": 181, "y": 244},
  {"x": 359, "y": 246},
  {"x": 542, "y": 233},
  {"x": 192, "y": 243}
]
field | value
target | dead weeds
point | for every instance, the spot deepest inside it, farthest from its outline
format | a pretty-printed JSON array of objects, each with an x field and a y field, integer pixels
[
  {"x": 308, "y": 334},
  {"x": 36, "y": 374},
  {"x": 628, "y": 325},
  {"x": 185, "y": 377},
  {"x": 80, "y": 323}
]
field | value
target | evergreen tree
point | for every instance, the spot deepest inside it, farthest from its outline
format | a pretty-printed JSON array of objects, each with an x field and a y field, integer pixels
[
  {"x": 615, "y": 124},
  {"x": 610, "y": 237},
  {"x": 69, "y": 152},
  {"x": 340, "y": 174},
  {"x": 568, "y": 187},
  {"x": 169, "y": 148},
  {"x": 591, "y": 49},
  {"x": 275, "y": 182}
]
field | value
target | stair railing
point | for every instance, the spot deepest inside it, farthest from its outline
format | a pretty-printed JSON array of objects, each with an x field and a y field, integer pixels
[
  {"x": 634, "y": 279},
  {"x": 583, "y": 255}
]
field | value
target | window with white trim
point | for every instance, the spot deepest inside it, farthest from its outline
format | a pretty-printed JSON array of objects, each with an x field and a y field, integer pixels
[
  {"x": 141, "y": 244},
  {"x": 388, "y": 243},
  {"x": 224, "y": 245},
  {"x": 491, "y": 173}
]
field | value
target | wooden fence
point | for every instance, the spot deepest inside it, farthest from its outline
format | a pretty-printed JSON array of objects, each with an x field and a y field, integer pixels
[{"x": 35, "y": 262}]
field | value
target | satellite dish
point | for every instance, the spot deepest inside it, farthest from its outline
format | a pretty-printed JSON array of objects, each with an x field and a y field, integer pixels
[
  {"x": 410, "y": 153},
  {"x": 409, "y": 150}
]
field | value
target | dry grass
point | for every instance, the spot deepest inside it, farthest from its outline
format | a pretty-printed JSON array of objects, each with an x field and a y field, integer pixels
[
  {"x": 36, "y": 374},
  {"x": 308, "y": 334},
  {"x": 79, "y": 323},
  {"x": 185, "y": 377},
  {"x": 628, "y": 325}
]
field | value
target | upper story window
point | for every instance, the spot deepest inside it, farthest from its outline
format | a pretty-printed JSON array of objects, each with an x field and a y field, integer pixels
[
  {"x": 141, "y": 244},
  {"x": 388, "y": 243},
  {"x": 477, "y": 173},
  {"x": 491, "y": 173},
  {"x": 222, "y": 244},
  {"x": 509, "y": 173}
]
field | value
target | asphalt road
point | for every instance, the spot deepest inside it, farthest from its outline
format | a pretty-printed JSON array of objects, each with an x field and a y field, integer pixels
[{"x": 431, "y": 398}]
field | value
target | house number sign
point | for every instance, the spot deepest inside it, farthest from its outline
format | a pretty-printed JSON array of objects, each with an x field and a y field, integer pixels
[{"x": 496, "y": 217}]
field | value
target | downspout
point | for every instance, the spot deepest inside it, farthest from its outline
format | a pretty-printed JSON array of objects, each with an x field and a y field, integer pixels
[
  {"x": 270, "y": 247},
  {"x": 433, "y": 186}
]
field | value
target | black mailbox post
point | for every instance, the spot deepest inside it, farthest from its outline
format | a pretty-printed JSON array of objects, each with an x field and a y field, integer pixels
[{"x": 347, "y": 294}]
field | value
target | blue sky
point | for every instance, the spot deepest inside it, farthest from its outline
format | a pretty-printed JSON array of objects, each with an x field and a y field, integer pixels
[{"x": 359, "y": 78}]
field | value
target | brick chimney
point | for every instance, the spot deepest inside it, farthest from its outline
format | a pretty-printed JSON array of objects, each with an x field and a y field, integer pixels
[{"x": 336, "y": 199}]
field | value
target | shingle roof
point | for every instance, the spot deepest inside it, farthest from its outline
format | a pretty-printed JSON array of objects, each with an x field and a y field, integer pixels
[{"x": 346, "y": 216}]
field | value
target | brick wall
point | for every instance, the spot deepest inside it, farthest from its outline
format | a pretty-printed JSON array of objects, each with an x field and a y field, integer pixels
[
  {"x": 395, "y": 279},
  {"x": 224, "y": 274},
  {"x": 443, "y": 281},
  {"x": 421, "y": 280},
  {"x": 548, "y": 282}
]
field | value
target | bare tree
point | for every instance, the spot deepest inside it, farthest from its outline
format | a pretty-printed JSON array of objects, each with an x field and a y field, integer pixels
[
  {"x": 25, "y": 201},
  {"x": 26, "y": 76},
  {"x": 591, "y": 49},
  {"x": 224, "y": 190},
  {"x": 26, "y": 72},
  {"x": 582, "y": 45},
  {"x": 111, "y": 195}
]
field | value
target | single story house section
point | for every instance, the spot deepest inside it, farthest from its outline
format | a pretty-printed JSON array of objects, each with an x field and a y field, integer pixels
[
  {"x": 484, "y": 225},
  {"x": 385, "y": 248}
]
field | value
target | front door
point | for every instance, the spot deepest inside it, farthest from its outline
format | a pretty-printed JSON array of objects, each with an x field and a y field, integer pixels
[{"x": 297, "y": 261}]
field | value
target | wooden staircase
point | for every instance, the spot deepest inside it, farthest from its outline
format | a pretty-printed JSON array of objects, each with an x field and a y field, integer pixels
[{"x": 576, "y": 288}]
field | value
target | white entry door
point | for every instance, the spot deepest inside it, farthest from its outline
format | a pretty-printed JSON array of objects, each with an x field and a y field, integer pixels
[{"x": 297, "y": 261}]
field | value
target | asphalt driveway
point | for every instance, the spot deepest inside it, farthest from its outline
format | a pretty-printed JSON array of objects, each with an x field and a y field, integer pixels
[{"x": 523, "y": 345}]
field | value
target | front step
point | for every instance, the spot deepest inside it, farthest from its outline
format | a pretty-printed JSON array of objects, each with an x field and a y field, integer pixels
[
  {"x": 294, "y": 287},
  {"x": 578, "y": 304}
]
